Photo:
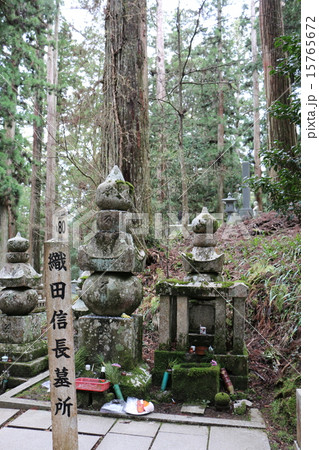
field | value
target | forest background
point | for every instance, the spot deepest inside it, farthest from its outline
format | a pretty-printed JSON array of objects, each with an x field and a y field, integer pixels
[{"x": 203, "y": 125}]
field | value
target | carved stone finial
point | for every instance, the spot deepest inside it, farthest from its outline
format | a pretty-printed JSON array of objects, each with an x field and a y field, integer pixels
[{"x": 114, "y": 192}]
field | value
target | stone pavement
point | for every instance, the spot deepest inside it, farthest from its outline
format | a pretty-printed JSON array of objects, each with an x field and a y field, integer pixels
[{"x": 30, "y": 430}]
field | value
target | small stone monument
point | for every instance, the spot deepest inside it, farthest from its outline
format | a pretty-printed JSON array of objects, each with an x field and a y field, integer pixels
[
  {"x": 246, "y": 211},
  {"x": 20, "y": 328},
  {"x": 111, "y": 290},
  {"x": 203, "y": 263},
  {"x": 256, "y": 209},
  {"x": 194, "y": 312}
]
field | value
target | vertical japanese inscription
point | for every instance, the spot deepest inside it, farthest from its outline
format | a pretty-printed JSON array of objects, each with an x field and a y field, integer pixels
[{"x": 60, "y": 345}]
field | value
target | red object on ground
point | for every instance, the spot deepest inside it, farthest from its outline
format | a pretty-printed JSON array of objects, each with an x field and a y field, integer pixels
[{"x": 91, "y": 384}]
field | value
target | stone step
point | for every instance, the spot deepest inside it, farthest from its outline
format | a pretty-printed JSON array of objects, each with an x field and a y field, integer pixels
[{"x": 26, "y": 369}]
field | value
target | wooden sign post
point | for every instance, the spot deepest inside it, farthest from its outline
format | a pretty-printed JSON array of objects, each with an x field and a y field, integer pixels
[{"x": 60, "y": 342}]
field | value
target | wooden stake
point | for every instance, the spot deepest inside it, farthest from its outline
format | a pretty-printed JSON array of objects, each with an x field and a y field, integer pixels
[{"x": 60, "y": 345}]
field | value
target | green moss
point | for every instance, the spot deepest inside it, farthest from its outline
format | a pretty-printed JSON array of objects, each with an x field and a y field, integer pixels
[
  {"x": 240, "y": 410},
  {"x": 188, "y": 255},
  {"x": 283, "y": 408},
  {"x": 222, "y": 399},
  {"x": 137, "y": 384},
  {"x": 234, "y": 364},
  {"x": 163, "y": 358},
  {"x": 227, "y": 284},
  {"x": 195, "y": 381},
  {"x": 127, "y": 183},
  {"x": 173, "y": 281}
]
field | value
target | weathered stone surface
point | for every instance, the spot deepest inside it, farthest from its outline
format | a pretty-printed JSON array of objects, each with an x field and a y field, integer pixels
[
  {"x": 182, "y": 321},
  {"x": 24, "y": 352},
  {"x": 239, "y": 290},
  {"x": 239, "y": 325},
  {"x": 17, "y": 257},
  {"x": 26, "y": 369},
  {"x": 114, "y": 193},
  {"x": 111, "y": 252},
  {"x": 111, "y": 221},
  {"x": 115, "y": 338},
  {"x": 112, "y": 294},
  {"x": 201, "y": 313},
  {"x": 204, "y": 240},
  {"x": 204, "y": 222},
  {"x": 164, "y": 323},
  {"x": 18, "y": 302},
  {"x": 197, "y": 290},
  {"x": 18, "y": 244},
  {"x": 202, "y": 277},
  {"x": 19, "y": 275},
  {"x": 21, "y": 329},
  {"x": 203, "y": 260}
]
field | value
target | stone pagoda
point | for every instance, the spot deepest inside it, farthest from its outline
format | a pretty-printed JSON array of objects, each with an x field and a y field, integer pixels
[
  {"x": 193, "y": 311},
  {"x": 112, "y": 290},
  {"x": 22, "y": 351},
  {"x": 203, "y": 263}
]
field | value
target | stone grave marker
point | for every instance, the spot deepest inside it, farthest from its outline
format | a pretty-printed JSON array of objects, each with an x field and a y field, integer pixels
[{"x": 246, "y": 211}]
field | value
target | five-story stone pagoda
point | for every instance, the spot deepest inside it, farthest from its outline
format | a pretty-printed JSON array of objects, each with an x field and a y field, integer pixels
[
  {"x": 112, "y": 289},
  {"x": 23, "y": 351},
  {"x": 202, "y": 312}
]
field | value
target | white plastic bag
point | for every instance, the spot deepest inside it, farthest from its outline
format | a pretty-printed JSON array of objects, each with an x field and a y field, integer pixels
[{"x": 115, "y": 406}]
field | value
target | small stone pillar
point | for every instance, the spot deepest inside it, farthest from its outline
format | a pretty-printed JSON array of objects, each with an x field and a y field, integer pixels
[
  {"x": 112, "y": 289},
  {"x": 246, "y": 212},
  {"x": 20, "y": 328}
]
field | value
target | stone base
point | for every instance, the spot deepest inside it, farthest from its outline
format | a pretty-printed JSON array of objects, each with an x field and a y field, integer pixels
[
  {"x": 25, "y": 369},
  {"x": 24, "y": 352},
  {"x": 21, "y": 329},
  {"x": 195, "y": 381},
  {"x": 116, "y": 339},
  {"x": 236, "y": 365}
]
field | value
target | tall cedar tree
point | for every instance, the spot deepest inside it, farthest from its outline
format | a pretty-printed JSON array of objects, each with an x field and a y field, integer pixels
[
  {"x": 281, "y": 132},
  {"x": 22, "y": 23},
  {"x": 125, "y": 137}
]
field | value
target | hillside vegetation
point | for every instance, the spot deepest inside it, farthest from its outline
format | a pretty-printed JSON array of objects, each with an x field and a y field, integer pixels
[{"x": 265, "y": 253}]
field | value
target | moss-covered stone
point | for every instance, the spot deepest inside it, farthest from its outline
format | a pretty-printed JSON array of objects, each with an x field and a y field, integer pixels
[
  {"x": 163, "y": 359},
  {"x": 239, "y": 382},
  {"x": 222, "y": 401},
  {"x": 193, "y": 381},
  {"x": 127, "y": 183},
  {"x": 24, "y": 352},
  {"x": 191, "y": 289},
  {"x": 241, "y": 409},
  {"x": 26, "y": 369},
  {"x": 137, "y": 384},
  {"x": 234, "y": 364}
]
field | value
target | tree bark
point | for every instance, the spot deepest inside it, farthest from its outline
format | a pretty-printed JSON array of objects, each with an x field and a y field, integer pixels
[
  {"x": 125, "y": 135},
  {"x": 277, "y": 87},
  {"x": 35, "y": 198},
  {"x": 257, "y": 165},
  {"x": 181, "y": 130},
  {"x": 220, "y": 114},
  {"x": 52, "y": 78},
  {"x": 160, "y": 96}
]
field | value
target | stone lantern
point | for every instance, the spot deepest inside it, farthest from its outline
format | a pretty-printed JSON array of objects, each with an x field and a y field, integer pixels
[{"x": 230, "y": 208}]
